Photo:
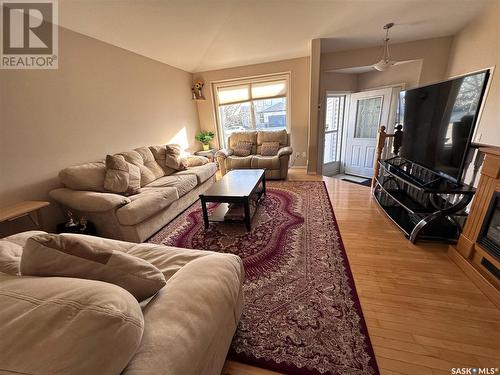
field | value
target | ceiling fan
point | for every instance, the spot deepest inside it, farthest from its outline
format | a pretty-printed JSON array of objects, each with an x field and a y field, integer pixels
[
  {"x": 382, "y": 65},
  {"x": 386, "y": 62}
]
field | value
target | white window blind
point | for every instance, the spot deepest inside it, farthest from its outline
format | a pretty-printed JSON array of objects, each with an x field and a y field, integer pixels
[
  {"x": 233, "y": 94},
  {"x": 249, "y": 91},
  {"x": 268, "y": 90}
]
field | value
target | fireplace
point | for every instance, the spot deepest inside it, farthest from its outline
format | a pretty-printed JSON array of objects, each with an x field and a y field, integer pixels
[
  {"x": 477, "y": 252},
  {"x": 489, "y": 236}
]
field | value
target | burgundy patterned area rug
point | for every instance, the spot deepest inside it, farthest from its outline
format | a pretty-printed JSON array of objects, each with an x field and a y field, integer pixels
[{"x": 302, "y": 313}]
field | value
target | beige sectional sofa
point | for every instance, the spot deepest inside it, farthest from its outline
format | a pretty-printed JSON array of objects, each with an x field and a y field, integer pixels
[
  {"x": 276, "y": 166},
  {"x": 74, "y": 326},
  {"x": 164, "y": 194}
]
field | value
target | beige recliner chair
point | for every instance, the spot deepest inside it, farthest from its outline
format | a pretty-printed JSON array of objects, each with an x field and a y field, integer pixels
[{"x": 276, "y": 166}]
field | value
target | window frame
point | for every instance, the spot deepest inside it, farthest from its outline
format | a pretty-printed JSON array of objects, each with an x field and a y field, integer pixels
[{"x": 286, "y": 76}]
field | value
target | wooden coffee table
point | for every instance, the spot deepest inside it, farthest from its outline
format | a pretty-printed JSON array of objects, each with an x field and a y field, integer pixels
[{"x": 237, "y": 186}]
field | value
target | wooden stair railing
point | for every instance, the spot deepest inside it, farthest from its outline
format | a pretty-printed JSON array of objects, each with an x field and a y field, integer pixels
[{"x": 382, "y": 136}]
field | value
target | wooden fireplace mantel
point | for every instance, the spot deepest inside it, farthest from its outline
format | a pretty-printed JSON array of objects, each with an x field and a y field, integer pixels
[{"x": 468, "y": 254}]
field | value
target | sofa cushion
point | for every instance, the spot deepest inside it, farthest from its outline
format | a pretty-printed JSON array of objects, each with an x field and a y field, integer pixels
[
  {"x": 86, "y": 257},
  {"x": 243, "y": 148},
  {"x": 249, "y": 136},
  {"x": 175, "y": 158},
  {"x": 11, "y": 249},
  {"x": 144, "y": 159},
  {"x": 196, "y": 160},
  {"x": 280, "y": 136},
  {"x": 183, "y": 183},
  {"x": 266, "y": 162},
  {"x": 88, "y": 176},
  {"x": 150, "y": 162},
  {"x": 269, "y": 148},
  {"x": 146, "y": 204},
  {"x": 10, "y": 257},
  {"x": 121, "y": 176},
  {"x": 57, "y": 325},
  {"x": 236, "y": 162},
  {"x": 202, "y": 173},
  {"x": 160, "y": 154}
]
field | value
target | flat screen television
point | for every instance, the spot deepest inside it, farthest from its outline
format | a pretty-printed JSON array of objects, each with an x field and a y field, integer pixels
[{"x": 439, "y": 121}]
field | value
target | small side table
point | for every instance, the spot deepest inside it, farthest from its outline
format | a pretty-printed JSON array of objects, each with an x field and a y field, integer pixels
[
  {"x": 24, "y": 208},
  {"x": 209, "y": 154}
]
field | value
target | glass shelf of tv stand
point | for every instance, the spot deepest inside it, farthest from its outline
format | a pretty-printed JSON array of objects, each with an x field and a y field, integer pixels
[
  {"x": 430, "y": 209},
  {"x": 435, "y": 183}
]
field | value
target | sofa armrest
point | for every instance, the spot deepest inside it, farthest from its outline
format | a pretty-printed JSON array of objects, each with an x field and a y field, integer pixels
[
  {"x": 88, "y": 201},
  {"x": 221, "y": 156},
  {"x": 60, "y": 316},
  {"x": 285, "y": 151},
  {"x": 224, "y": 153}
]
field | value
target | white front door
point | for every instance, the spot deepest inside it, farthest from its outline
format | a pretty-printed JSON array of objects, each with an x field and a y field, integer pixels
[{"x": 367, "y": 111}]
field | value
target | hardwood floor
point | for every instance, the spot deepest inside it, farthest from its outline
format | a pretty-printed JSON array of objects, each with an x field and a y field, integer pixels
[{"x": 423, "y": 314}]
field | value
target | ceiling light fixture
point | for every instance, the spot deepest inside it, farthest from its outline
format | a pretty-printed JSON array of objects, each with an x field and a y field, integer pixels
[{"x": 386, "y": 61}]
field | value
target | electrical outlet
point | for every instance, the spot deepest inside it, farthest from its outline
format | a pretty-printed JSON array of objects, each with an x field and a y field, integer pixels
[{"x": 304, "y": 154}]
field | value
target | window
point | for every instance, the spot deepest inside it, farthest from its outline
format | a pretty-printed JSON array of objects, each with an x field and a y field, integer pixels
[
  {"x": 335, "y": 107},
  {"x": 368, "y": 115},
  {"x": 256, "y": 104}
]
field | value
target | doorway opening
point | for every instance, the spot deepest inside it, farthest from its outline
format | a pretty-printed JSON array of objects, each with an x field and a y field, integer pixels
[
  {"x": 335, "y": 114},
  {"x": 350, "y": 125}
]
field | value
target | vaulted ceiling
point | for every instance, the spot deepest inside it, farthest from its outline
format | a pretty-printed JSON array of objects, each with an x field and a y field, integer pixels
[{"x": 199, "y": 35}]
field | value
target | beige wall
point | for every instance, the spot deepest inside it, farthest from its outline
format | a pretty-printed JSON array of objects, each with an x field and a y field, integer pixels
[
  {"x": 299, "y": 96},
  {"x": 432, "y": 59},
  {"x": 338, "y": 82},
  {"x": 102, "y": 99},
  {"x": 433, "y": 53},
  {"x": 314, "y": 103},
  {"x": 408, "y": 73},
  {"x": 477, "y": 47}
]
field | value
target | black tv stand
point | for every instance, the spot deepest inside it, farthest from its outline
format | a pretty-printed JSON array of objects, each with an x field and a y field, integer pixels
[{"x": 423, "y": 204}]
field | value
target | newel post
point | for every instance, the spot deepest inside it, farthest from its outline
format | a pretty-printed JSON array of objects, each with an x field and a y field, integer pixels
[{"x": 381, "y": 137}]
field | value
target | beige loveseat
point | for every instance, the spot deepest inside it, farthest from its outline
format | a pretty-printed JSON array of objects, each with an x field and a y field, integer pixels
[
  {"x": 276, "y": 166},
  {"x": 163, "y": 195},
  {"x": 64, "y": 325}
]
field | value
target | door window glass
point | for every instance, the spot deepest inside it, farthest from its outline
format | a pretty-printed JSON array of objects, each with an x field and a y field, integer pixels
[{"x": 368, "y": 114}]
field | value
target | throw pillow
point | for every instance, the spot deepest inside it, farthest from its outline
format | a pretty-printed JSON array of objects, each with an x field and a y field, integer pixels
[
  {"x": 73, "y": 255},
  {"x": 243, "y": 148},
  {"x": 196, "y": 161},
  {"x": 121, "y": 176},
  {"x": 175, "y": 158},
  {"x": 269, "y": 148}
]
